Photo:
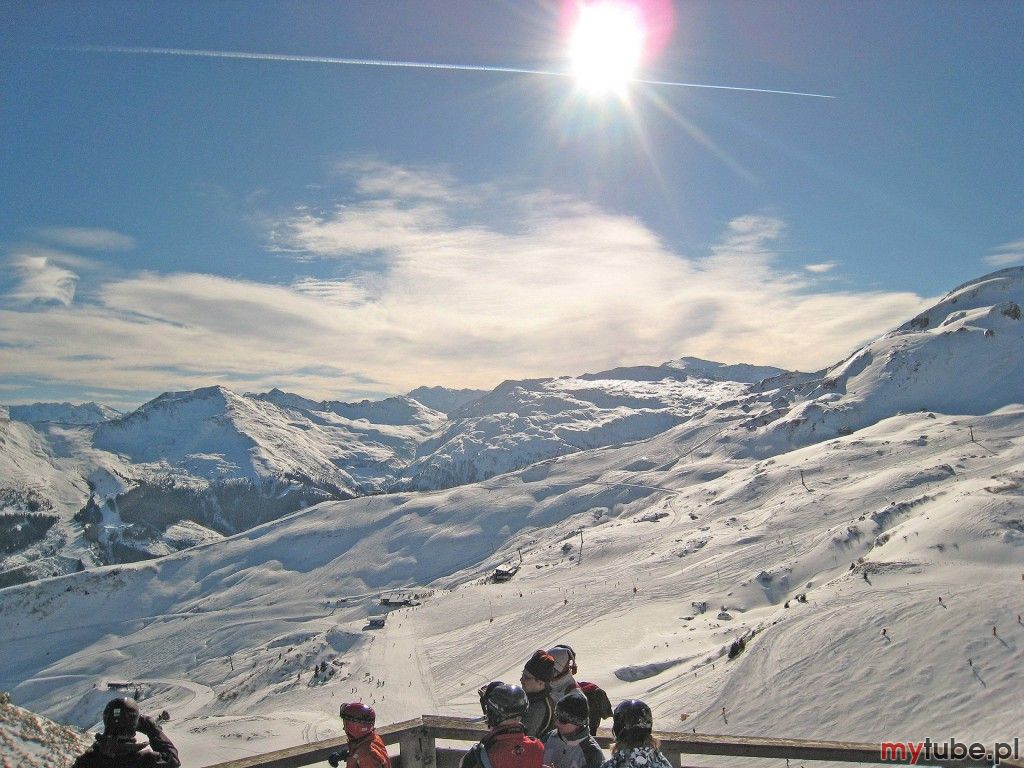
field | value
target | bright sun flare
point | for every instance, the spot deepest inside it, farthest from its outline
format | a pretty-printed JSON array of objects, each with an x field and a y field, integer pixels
[{"x": 606, "y": 46}]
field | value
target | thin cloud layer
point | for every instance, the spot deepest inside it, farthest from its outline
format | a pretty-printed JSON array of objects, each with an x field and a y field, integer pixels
[
  {"x": 88, "y": 238},
  {"x": 431, "y": 289},
  {"x": 1006, "y": 255}
]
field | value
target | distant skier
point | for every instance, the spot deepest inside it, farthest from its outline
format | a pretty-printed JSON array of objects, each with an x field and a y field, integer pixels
[
  {"x": 116, "y": 746},
  {"x": 635, "y": 747},
  {"x": 506, "y": 745},
  {"x": 570, "y": 744},
  {"x": 365, "y": 749},
  {"x": 536, "y": 679},
  {"x": 564, "y": 681}
]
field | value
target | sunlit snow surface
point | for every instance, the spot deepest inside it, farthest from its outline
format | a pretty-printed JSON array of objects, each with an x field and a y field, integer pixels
[{"x": 906, "y": 463}]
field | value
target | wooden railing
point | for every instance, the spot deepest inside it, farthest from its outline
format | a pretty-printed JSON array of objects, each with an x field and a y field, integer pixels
[{"x": 417, "y": 745}]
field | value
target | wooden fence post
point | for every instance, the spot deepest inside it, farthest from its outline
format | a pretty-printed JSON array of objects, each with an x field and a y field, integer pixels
[{"x": 418, "y": 749}]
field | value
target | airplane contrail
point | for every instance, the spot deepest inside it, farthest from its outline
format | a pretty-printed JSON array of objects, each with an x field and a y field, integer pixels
[{"x": 400, "y": 64}]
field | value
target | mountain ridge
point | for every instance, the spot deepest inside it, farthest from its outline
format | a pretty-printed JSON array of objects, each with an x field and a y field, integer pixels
[{"x": 192, "y": 453}]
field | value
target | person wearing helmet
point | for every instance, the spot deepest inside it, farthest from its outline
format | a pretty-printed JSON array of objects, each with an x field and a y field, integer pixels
[
  {"x": 563, "y": 681},
  {"x": 116, "y": 746},
  {"x": 634, "y": 747},
  {"x": 536, "y": 679},
  {"x": 506, "y": 745},
  {"x": 365, "y": 749},
  {"x": 570, "y": 744}
]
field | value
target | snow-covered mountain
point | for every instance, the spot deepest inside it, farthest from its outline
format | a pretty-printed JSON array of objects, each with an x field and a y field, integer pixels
[
  {"x": 522, "y": 422},
  {"x": 444, "y": 399},
  {"x": 189, "y": 467},
  {"x": 186, "y": 469},
  {"x": 215, "y": 434},
  {"x": 38, "y": 494},
  {"x": 873, "y": 570},
  {"x": 63, "y": 413},
  {"x": 964, "y": 355}
]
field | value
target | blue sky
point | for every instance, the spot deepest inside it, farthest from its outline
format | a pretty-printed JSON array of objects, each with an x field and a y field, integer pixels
[{"x": 345, "y": 231}]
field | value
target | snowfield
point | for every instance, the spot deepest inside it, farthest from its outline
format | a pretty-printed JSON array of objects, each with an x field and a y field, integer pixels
[{"x": 862, "y": 531}]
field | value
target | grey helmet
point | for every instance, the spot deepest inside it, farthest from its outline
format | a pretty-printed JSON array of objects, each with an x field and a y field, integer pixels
[
  {"x": 502, "y": 701},
  {"x": 632, "y": 720}
]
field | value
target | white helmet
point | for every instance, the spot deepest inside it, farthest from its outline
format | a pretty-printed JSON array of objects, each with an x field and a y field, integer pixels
[{"x": 565, "y": 660}]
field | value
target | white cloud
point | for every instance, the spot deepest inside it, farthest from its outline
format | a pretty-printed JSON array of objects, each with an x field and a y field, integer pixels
[
  {"x": 40, "y": 280},
  {"x": 820, "y": 269},
  {"x": 89, "y": 239},
  {"x": 1006, "y": 255},
  {"x": 533, "y": 284},
  {"x": 374, "y": 178},
  {"x": 340, "y": 292}
]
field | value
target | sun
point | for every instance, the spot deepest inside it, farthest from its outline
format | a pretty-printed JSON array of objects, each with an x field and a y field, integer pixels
[{"x": 606, "y": 46}]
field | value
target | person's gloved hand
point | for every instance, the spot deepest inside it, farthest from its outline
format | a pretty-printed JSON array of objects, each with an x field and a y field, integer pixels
[
  {"x": 339, "y": 757},
  {"x": 147, "y": 725}
]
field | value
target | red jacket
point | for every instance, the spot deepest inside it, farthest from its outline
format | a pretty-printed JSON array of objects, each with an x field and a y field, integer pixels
[
  {"x": 368, "y": 752},
  {"x": 506, "y": 747}
]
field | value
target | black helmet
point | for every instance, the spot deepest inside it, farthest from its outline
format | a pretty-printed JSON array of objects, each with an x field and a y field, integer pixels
[
  {"x": 120, "y": 717},
  {"x": 632, "y": 720},
  {"x": 501, "y": 701}
]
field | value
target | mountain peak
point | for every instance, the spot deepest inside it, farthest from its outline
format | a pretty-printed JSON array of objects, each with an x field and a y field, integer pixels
[{"x": 997, "y": 288}]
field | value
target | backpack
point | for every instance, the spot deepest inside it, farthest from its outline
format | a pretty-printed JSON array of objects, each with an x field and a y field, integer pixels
[
  {"x": 597, "y": 700},
  {"x": 521, "y": 752}
]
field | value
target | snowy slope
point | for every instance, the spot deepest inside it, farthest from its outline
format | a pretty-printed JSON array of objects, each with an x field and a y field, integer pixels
[
  {"x": 63, "y": 413},
  {"x": 392, "y": 411},
  {"x": 39, "y": 493},
  {"x": 912, "y": 503},
  {"x": 759, "y": 518}
]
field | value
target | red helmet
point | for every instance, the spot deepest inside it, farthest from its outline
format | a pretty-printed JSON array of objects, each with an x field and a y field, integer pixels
[{"x": 358, "y": 719}]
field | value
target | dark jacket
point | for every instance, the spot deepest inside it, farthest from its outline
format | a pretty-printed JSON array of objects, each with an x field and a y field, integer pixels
[
  {"x": 113, "y": 752},
  {"x": 600, "y": 706},
  {"x": 580, "y": 750},
  {"x": 506, "y": 746},
  {"x": 539, "y": 717}
]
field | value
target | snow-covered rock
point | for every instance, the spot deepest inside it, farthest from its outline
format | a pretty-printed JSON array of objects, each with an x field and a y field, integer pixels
[{"x": 28, "y": 740}]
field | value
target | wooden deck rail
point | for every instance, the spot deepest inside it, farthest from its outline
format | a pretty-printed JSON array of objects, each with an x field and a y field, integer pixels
[{"x": 417, "y": 743}]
